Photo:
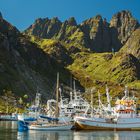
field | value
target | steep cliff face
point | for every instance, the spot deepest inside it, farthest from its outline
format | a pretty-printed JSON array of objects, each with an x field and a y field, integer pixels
[
  {"x": 132, "y": 46},
  {"x": 71, "y": 34},
  {"x": 122, "y": 25},
  {"x": 9, "y": 31},
  {"x": 16, "y": 70},
  {"x": 103, "y": 36},
  {"x": 25, "y": 66},
  {"x": 97, "y": 34},
  {"x": 67, "y": 29}
]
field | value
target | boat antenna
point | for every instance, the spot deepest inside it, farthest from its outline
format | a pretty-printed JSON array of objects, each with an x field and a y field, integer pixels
[{"x": 91, "y": 103}]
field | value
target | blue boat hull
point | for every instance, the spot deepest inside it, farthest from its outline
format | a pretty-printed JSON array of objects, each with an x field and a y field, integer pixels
[{"x": 22, "y": 126}]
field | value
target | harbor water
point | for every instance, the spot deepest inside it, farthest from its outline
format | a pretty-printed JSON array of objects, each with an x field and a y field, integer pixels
[{"x": 8, "y": 131}]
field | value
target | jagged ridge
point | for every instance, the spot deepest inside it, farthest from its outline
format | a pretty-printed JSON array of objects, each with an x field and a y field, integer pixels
[{"x": 95, "y": 33}]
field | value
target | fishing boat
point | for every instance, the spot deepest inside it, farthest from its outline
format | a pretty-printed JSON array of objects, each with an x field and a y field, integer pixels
[
  {"x": 31, "y": 115},
  {"x": 75, "y": 106},
  {"x": 122, "y": 117},
  {"x": 49, "y": 123},
  {"x": 50, "y": 126},
  {"x": 8, "y": 117},
  {"x": 68, "y": 107}
]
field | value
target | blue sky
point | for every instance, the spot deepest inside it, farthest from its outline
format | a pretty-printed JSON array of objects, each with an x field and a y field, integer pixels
[{"x": 22, "y": 13}]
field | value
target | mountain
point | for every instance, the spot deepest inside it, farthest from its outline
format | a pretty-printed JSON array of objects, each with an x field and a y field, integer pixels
[
  {"x": 94, "y": 52},
  {"x": 96, "y": 48},
  {"x": 45, "y": 28},
  {"x": 95, "y": 33},
  {"x": 122, "y": 24},
  {"x": 25, "y": 67},
  {"x": 125, "y": 25}
]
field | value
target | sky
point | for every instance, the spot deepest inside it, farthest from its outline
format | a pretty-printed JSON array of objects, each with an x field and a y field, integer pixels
[{"x": 22, "y": 13}]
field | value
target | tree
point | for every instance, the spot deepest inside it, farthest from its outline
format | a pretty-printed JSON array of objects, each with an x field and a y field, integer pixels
[
  {"x": 9, "y": 99},
  {"x": 23, "y": 102}
]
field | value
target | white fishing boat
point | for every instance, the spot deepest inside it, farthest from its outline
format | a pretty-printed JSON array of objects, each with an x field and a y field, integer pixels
[
  {"x": 49, "y": 127},
  {"x": 68, "y": 108},
  {"x": 75, "y": 106},
  {"x": 123, "y": 117}
]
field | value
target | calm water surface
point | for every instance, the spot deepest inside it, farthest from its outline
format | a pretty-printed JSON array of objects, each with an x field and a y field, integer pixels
[{"x": 8, "y": 131}]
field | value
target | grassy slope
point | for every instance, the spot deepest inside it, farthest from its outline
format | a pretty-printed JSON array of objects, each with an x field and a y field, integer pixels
[
  {"x": 98, "y": 69},
  {"x": 103, "y": 67}
]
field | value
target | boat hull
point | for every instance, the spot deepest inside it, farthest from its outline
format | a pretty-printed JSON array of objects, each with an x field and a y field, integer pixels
[
  {"x": 85, "y": 124},
  {"x": 51, "y": 128}
]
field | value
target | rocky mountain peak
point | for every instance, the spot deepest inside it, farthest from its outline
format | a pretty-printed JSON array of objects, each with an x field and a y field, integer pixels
[
  {"x": 72, "y": 21},
  {"x": 94, "y": 33},
  {"x": 98, "y": 17},
  {"x": 93, "y": 21},
  {"x": 40, "y": 20},
  {"x": 98, "y": 33},
  {"x": 55, "y": 20},
  {"x": 125, "y": 24},
  {"x": 44, "y": 27},
  {"x": 8, "y": 30}
]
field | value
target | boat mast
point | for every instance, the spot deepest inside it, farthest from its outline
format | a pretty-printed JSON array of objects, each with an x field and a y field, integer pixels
[
  {"x": 75, "y": 95},
  {"x": 91, "y": 103},
  {"x": 71, "y": 88},
  {"x": 37, "y": 99},
  {"x": 126, "y": 91},
  {"x": 71, "y": 96},
  {"x": 37, "y": 102},
  {"x": 57, "y": 96},
  {"x": 61, "y": 99},
  {"x": 108, "y": 98},
  {"x": 99, "y": 99}
]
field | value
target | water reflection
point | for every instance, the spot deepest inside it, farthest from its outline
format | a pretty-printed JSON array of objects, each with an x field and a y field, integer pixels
[
  {"x": 45, "y": 135},
  {"x": 108, "y": 135},
  {"x": 8, "y": 124},
  {"x": 8, "y": 131},
  {"x": 79, "y": 135}
]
